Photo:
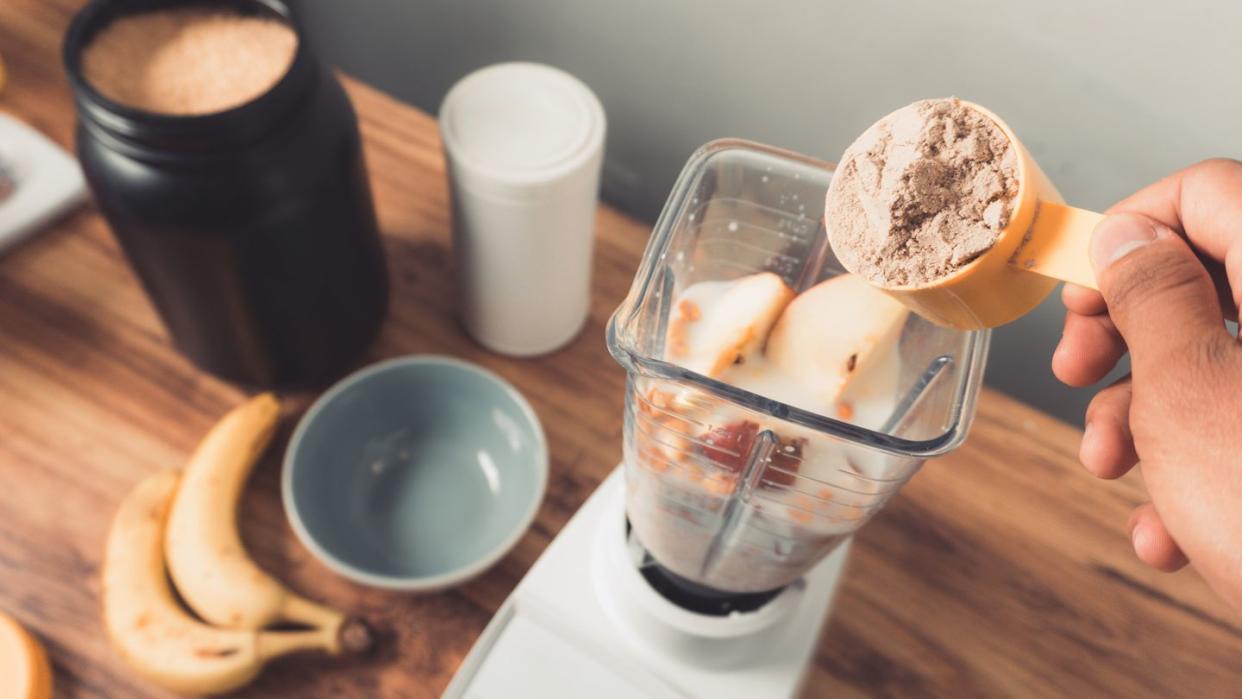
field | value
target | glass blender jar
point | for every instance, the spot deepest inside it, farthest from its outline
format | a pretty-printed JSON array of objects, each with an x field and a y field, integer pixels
[{"x": 732, "y": 494}]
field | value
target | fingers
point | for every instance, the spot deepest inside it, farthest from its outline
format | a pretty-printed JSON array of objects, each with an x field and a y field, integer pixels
[
  {"x": 1152, "y": 542},
  {"x": 1229, "y": 281},
  {"x": 1083, "y": 301},
  {"x": 1090, "y": 347},
  {"x": 1107, "y": 449},
  {"x": 1203, "y": 201},
  {"x": 1159, "y": 296}
]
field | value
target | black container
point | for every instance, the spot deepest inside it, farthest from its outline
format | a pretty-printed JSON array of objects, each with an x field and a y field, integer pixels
[{"x": 252, "y": 229}]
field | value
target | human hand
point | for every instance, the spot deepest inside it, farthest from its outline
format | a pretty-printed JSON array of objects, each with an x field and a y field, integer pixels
[{"x": 1169, "y": 265}]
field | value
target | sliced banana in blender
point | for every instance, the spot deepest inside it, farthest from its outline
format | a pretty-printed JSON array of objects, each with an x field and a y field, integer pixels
[
  {"x": 832, "y": 332},
  {"x": 710, "y": 337}
]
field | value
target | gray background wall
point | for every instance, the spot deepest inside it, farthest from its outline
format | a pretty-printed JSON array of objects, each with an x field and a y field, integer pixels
[{"x": 1108, "y": 95}]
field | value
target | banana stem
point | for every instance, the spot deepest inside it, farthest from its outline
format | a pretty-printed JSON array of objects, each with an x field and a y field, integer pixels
[
  {"x": 273, "y": 644},
  {"x": 303, "y": 611}
]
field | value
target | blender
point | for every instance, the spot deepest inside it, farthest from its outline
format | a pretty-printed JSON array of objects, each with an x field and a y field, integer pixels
[{"x": 705, "y": 565}]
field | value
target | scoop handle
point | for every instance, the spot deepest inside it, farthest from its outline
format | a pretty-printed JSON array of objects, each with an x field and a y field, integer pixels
[{"x": 1057, "y": 244}]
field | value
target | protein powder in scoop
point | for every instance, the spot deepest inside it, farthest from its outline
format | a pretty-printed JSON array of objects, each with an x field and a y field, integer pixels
[
  {"x": 920, "y": 194},
  {"x": 188, "y": 60}
]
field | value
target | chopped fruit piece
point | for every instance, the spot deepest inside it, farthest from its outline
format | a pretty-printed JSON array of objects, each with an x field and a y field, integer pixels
[
  {"x": 647, "y": 404},
  {"x": 651, "y": 454},
  {"x": 733, "y": 327},
  {"x": 800, "y": 515},
  {"x": 694, "y": 472},
  {"x": 731, "y": 446},
  {"x": 663, "y": 436},
  {"x": 831, "y": 332},
  {"x": 658, "y": 398},
  {"x": 690, "y": 310},
  {"x": 803, "y": 508},
  {"x": 720, "y": 484},
  {"x": 845, "y": 411},
  {"x": 668, "y": 421},
  {"x": 785, "y": 459},
  {"x": 677, "y": 331},
  {"x": 679, "y": 449},
  {"x": 678, "y": 327},
  {"x": 686, "y": 403}
]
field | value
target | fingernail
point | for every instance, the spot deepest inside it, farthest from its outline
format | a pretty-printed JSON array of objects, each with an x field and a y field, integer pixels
[
  {"x": 1136, "y": 535},
  {"x": 1117, "y": 236},
  {"x": 1082, "y": 447}
]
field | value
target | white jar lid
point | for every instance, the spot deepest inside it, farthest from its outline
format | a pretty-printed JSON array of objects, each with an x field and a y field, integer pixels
[{"x": 514, "y": 129}]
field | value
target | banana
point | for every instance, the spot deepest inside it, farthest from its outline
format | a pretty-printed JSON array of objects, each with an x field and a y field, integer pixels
[
  {"x": 24, "y": 670},
  {"x": 159, "y": 639},
  {"x": 833, "y": 331},
  {"x": 206, "y": 559},
  {"x": 711, "y": 339}
]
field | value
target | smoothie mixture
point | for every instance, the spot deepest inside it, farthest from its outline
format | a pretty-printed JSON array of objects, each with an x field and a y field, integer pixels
[
  {"x": 741, "y": 501},
  {"x": 832, "y": 351}
]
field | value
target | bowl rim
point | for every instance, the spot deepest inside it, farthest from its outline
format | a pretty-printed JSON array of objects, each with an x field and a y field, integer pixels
[{"x": 416, "y": 583}]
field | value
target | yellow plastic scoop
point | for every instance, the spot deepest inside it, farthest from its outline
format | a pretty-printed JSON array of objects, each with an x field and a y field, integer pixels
[{"x": 1044, "y": 242}]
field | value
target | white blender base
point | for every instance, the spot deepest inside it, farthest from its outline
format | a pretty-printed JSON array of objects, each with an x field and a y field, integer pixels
[{"x": 580, "y": 625}]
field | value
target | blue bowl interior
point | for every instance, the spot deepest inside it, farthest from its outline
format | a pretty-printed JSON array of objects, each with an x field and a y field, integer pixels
[{"x": 416, "y": 469}]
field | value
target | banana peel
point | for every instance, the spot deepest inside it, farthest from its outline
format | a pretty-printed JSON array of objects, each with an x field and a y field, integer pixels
[
  {"x": 206, "y": 559},
  {"x": 183, "y": 527},
  {"x": 156, "y": 637}
]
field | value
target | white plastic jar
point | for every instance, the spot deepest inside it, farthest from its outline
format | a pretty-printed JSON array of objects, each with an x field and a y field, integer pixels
[{"x": 524, "y": 144}]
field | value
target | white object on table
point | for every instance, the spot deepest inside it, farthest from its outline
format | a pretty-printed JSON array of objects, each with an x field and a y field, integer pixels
[
  {"x": 524, "y": 144},
  {"x": 46, "y": 181},
  {"x": 583, "y": 622}
]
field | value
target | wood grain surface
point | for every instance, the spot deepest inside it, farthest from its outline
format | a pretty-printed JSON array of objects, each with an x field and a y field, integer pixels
[{"x": 1001, "y": 570}]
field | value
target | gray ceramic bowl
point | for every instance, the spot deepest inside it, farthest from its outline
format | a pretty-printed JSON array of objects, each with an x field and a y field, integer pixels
[{"x": 415, "y": 473}]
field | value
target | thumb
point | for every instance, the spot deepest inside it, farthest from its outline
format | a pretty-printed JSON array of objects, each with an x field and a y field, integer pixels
[{"x": 1159, "y": 295}]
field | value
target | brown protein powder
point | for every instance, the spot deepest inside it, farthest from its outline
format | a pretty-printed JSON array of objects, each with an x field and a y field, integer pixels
[
  {"x": 189, "y": 60},
  {"x": 921, "y": 193}
]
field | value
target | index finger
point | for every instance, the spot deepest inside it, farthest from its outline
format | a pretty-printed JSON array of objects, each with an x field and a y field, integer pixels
[
  {"x": 1083, "y": 301},
  {"x": 1204, "y": 202}
]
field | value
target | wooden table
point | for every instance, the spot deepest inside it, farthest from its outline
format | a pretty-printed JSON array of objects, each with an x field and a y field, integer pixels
[{"x": 1000, "y": 570}]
